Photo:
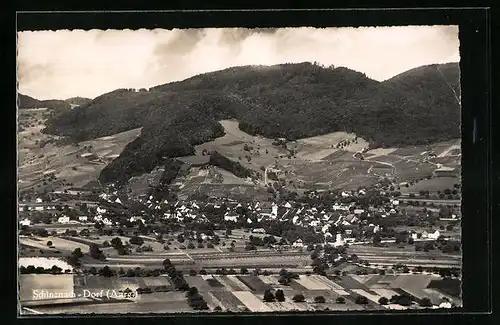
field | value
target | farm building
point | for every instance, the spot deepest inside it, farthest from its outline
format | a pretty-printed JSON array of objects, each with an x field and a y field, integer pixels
[
  {"x": 25, "y": 222},
  {"x": 82, "y": 218},
  {"x": 89, "y": 155},
  {"x": 298, "y": 243},
  {"x": 63, "y": 220},
  {"x": 445, "y": 172},
  {"x": 259, "y": 231}
]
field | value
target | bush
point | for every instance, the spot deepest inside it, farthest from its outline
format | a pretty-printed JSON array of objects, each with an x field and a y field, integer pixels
[
  {"x": 319, "y": 300},
  {"x": 361, "y": 300},
  {"x": 340, "y": 300},
  {"x": 383, "y": 301},
  {"x": 299, "y": 298},
  {"x": 269, "y": 296}
]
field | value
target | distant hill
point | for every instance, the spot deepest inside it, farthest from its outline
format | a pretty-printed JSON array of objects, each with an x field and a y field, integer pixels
[
  {"x": 26, "y": 102},
  {"x": 288, "y": 100},
  {"x": 78, "y": 101}
]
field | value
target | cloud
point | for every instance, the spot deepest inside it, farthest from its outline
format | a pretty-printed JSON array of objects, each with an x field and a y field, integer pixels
[{"x": 62, "y": 64}]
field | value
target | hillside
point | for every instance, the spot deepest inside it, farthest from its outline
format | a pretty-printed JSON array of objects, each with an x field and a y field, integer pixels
[
  {"x": 78, "y": 101},
  {"x": 27, "y": 102},
  {"x": 289, "y": 100}
]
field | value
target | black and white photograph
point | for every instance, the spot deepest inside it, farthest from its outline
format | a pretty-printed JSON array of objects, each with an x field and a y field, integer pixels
[{"x": 242, "y": 170}]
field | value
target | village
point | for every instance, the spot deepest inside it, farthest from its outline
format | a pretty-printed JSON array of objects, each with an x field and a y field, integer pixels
[{"x": 332, "y": 236}]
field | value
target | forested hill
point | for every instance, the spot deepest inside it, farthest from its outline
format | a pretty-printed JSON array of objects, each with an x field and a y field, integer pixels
[
  {"x": 288, "y": 100},
  {"x": 78, "y": 100},
  {"x": 26, "y": 102}
]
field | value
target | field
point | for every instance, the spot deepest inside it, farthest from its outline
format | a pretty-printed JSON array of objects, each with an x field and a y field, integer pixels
[
  {"x": 406, "y": 255},
  {"x": 37, "y": 155},
  {"x": 233, "y": 293},
  {"x": 432, "y": 185}
]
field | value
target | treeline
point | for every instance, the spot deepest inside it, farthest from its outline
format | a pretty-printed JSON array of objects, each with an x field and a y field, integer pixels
[{"x": 219, "y": 160}]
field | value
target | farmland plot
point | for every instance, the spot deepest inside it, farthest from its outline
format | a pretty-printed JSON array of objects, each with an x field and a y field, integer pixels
[
  {"x": 29, "y": 284},
  {"x": 254, "y": 283},
  {"x": 228, "y": 300},
  {"x": 371, "y": 297},
  {"x": 67, "y": 245},
  {"x": 311, "y": 284},
  {"x": 251, "y": 301},
  {"x": 198, "y": 282}
]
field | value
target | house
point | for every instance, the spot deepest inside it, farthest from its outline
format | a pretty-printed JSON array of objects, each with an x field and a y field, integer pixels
[
  {"x": 38, "y": 200},
  {"x": 414, "y": 236},
  {"x": 25, "y": 222},
  {"x": 358, "y": 211},
  {"x": 83, "y": 218},
  {"x": 434, "y": 235},
  {"x": 233, "y": 218},
  {"x": 298, "y": 243},
  {"x": 118, "y": 201},
  {"x": 425, "y": 234},
  {"x": 345, "y": 194},
  {"x": 63, "y": 220},
  {"x": 395, "y": 202},
  {"x": 101, "y": 210},
  {"x": 39, "y": 208},
  {"x": 362, "y": 192},
  {"x": 259, "y": 231},
  {"x": 288, "y": 205}
]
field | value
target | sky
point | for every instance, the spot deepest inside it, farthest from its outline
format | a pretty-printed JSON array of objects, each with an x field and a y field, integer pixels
[{"x": 63, "y": 64}]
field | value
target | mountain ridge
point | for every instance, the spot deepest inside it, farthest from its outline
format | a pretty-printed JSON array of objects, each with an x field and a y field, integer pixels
[{"x": 289, "y": 100}]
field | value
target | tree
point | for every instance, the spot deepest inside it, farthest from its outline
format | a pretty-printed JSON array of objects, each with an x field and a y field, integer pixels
[
  {"x": 180, "y": 238},
  {"x": 361, "y": 300},
  {"x": 269, "y": 296},
  {"x": 167, "y": 263},
  {"x": 425, "y": 302},
  {"x": 203, "y": 272},
  {"x": 244, "y": 270},
  {"x": 192, "y": 272},
  {"x": 299, "y": 298},
  {"x": 49, "y": 243},
  {"x": 383, "y": 301},
  {"x": 136, "y": 240},
  {"x": 106, "y": 271},
  {"x": 190, "y": 246},
  {"x": 319, "y": 299},
  {"x": 280, "y": 295}
]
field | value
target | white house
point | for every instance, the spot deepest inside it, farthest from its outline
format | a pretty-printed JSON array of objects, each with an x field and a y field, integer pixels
[
  {"x": 445, "y": 304},
  {"x": 345, "y": 194},
  {"x": 249, "y": 220},
  {"x": 83, "y": 218},
  {"x": 274, "y": 211},
  {"x": 295, "y": 219},
  {"x": 376, "y": 229},
  {"x": 298, "y": 243},
  {"x": 39, "y": 208},
  {"x": 414, "y": 236},
  {"x": 25, "y": 222},
  {"x": 259, "y": 231},
  {"x": 395, "y": 202},
  {"x": 288, "y": 205},
  {"x": 358, "y": 211},
  {"x": 101, "y": 210},
  {"x": 227, "y": 217},
  {"x": 325, "y": 228},
  {"x": 63, "y": 220},
  {"x": 38, "y": 200},
  {"x": 361, "y": 192},
  {"x": 107, "y": 222},
  {"x": 434, "y": 235}
]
